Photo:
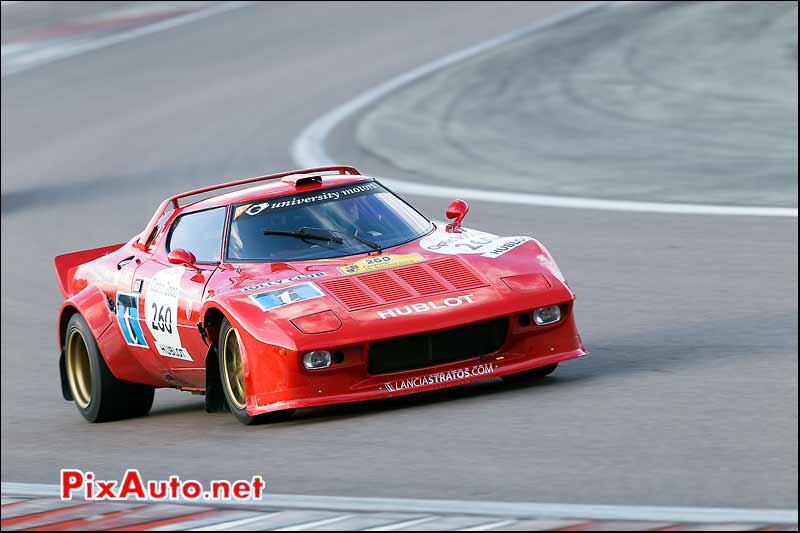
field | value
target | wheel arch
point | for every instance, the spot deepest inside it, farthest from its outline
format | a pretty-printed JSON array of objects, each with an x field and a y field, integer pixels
[
  {"x": 93, "y": 305},
  {"x": 212, "y": 313}
]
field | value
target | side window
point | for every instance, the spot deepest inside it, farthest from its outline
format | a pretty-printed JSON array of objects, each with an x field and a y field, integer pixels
[{"x": 200, "y": 233}]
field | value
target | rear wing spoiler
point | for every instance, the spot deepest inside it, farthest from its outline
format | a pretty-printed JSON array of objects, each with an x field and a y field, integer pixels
[
  {"x": 67, "y": 264},
  {"x": 147, "y": 234}
]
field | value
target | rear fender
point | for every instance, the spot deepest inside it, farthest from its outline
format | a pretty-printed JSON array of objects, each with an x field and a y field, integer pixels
[
  {"x": 98, "y": 310},
  {"x": 91, "y": 303}
]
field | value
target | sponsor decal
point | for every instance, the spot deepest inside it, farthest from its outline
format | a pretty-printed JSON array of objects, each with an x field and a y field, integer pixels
[
  {"x": 316, "y": 197},
  {"x": 371, "y": 264},
  {"x": 440, "y": 377},
  {"x": 127, "y": 306},
  {"x": 282, "y": 281},
  {"x": 471, "y": 242},
  {"x": 137, "y": 285},
  {"x": 161, "y": 312},
  {"x": 290, "y": 295},
  {"x": 501, "y": 246},
  {"x": 453, "y": 301},
  {"x": 189, "y": 310}
]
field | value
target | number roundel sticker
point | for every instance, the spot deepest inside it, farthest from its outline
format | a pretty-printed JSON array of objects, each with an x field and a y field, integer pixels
[{"x": 161, "y": 312}]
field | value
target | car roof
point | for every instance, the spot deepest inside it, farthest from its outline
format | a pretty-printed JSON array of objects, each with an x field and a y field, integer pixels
[{"x": 271, "y": 190}]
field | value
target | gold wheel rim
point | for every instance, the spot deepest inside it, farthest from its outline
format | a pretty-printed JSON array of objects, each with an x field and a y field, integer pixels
[
  {"x": 79, "y": 369},
  {"x": 232, "y": 368}
]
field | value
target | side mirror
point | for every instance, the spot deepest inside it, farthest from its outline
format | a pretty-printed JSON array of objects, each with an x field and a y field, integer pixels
[
  {"x": 180, "y": 256},
  {"x": 456, "y": 212}
]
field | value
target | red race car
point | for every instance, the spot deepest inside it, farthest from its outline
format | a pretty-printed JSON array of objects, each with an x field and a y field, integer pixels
[{"x": 318, "y": 286}]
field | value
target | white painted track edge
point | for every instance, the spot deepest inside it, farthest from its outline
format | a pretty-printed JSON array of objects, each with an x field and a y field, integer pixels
[{"x": 515, "y": 510}]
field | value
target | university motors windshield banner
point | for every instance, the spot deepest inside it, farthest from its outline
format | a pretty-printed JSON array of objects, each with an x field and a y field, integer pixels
[{"x": 310, "y": 198}]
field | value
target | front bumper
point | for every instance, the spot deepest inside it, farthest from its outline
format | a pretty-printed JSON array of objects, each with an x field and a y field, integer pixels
[{"x": 275, "y": 381}]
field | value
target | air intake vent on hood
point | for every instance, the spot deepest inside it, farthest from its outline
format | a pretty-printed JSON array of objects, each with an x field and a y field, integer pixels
[
  {"x": 385, "y": 286},
  {"x": 456, "y": 273},
  {"x": 347, "y": 291},
  {"x": 388, "y": 286},
  {"x": 420, "y": 279}
]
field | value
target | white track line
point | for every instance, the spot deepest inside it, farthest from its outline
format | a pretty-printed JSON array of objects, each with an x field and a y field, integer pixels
[
  {"x": 499, "y": 510},
  {"x": 234, "y": 524},
  {"x": 517, "y": 198},
  {"x": 500, "y": 524},
  {"x": 404, "y": 524},
  {"x": 316, "y": 523},
  {"x": 111, "y": 40},
  {"x": 308, "y": 149}
]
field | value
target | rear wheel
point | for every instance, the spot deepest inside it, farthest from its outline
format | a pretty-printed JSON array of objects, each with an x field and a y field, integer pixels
[
  {"x": 530, "y": 375},
  {"x": 231, "y": 374},
  {"x": 99, "y": 396}
]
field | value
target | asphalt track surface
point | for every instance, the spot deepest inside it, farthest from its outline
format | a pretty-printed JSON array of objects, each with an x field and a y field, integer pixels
[{"x": 689, "y": 396}]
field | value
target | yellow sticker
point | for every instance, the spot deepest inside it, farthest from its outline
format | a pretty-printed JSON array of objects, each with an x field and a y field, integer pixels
[{"x": 371, "y": 264}]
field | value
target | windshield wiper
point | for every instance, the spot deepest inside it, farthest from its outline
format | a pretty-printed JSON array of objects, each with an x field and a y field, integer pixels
[
  {"x": 374, "y": 245},
  {"x": 303, "y": 234}
]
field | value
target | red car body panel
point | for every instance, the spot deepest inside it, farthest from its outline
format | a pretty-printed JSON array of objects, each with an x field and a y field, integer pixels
[{"x": 427, "y": 287}]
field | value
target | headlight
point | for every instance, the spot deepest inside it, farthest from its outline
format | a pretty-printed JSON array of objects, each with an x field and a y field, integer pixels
[
  {"x": 547, "y": 315},
  {"x": 317, "y": 360}
]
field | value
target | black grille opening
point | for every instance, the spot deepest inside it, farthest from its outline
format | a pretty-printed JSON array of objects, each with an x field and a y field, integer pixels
[{"x": 438, "y": 347}]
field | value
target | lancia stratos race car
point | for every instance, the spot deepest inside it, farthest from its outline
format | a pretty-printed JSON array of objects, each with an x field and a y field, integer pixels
[{"x": 318, "y": 286}]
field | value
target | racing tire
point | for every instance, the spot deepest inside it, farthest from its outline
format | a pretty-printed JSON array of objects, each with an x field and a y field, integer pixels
[
  {"x": 232, "y": 376},
  {"x": 99, "y": 396},
  {"x": 533, "y": 374}
]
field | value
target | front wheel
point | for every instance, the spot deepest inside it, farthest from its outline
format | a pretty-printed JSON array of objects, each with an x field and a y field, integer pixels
[
  {"x": 530, "y": 375},
  {"x": 99, "y": 396},
  {"x": 231, "y": 374}
]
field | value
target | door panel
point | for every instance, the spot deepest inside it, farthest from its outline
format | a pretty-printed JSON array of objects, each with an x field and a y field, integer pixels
[
  {"x": 169, "y": 304},
  {"x": 128, "y": 310}
]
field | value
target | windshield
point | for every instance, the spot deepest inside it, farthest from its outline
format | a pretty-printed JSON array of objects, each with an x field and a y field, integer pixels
[{"x": 331, "y": 222}]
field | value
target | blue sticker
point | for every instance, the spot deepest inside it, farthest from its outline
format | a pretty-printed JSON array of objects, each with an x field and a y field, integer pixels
[
  {"x": 128, "y": 319},
  {"x": 280, "y": 297}
]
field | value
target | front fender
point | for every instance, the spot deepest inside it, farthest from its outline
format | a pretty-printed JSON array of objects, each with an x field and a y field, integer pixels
[
  {"x": 242, "y": 315},
  {"x": 545, "y": 259}
]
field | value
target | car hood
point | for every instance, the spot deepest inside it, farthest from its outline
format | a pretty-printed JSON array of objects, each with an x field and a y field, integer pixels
[{"x": 441, "y": 280}]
